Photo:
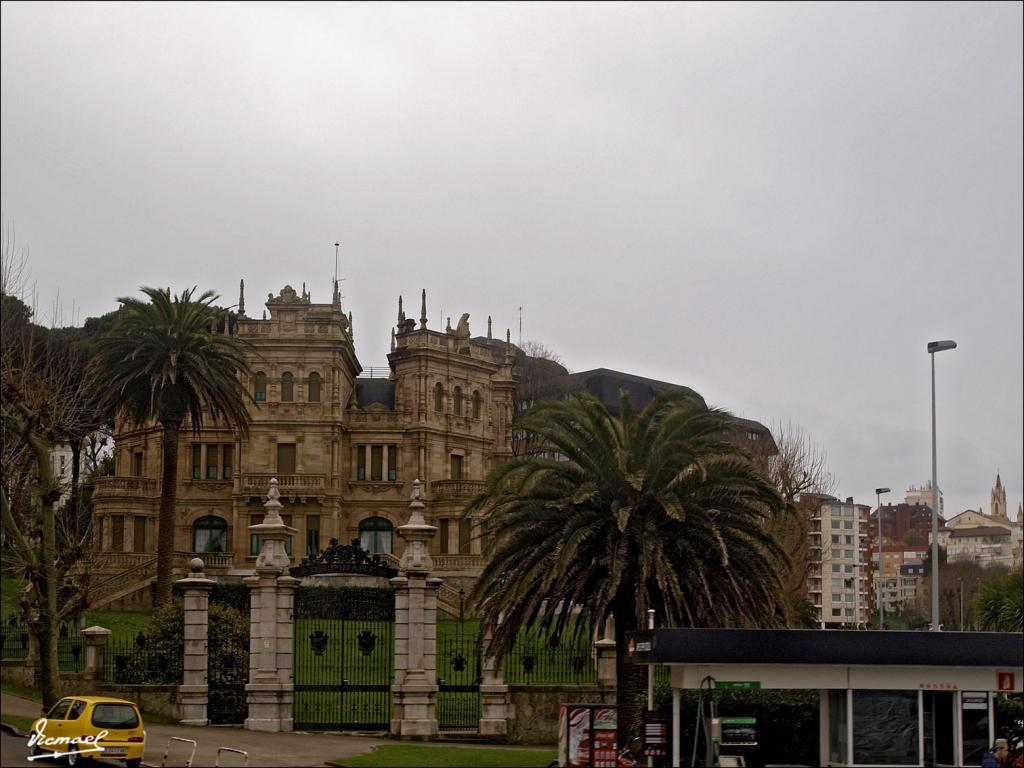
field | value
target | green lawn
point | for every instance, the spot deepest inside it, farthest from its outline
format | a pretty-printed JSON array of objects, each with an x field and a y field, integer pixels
[{"x": 427, "y": 755}]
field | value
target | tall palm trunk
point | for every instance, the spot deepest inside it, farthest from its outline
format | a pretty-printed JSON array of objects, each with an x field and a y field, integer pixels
[
  {"x": 630, "y": 679},
  {"x": 168, "y": 494}
]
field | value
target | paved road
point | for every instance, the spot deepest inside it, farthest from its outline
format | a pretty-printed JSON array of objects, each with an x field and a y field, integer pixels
[
  {"x": 283, "y": 750},
  {"x": 14, "y": 751}
]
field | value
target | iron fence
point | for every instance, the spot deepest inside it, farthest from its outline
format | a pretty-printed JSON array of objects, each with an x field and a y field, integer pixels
[
  {"x": 140, "y": 662},
  {"x": 548, "y": 660},
  {"x": 13, "y": 639},
  {"x": 70, "y": 649}
]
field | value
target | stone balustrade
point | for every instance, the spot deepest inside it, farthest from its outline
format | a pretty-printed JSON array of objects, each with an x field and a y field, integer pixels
[
  {"x": 444, "y": 490},
  {"x": 303, "y": 483},
  {"x": 126, "y": 486},
  {"x": 458, "y": 562}
]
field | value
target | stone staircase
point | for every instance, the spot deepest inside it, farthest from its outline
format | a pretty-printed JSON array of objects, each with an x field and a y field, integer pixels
[{"x": 124, "y": 584}]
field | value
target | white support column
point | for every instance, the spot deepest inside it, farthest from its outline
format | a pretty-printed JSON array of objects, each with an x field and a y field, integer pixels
[{"x": 270, "y": 691}]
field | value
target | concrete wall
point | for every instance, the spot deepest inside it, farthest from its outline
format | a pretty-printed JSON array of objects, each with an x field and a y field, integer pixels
[{"x": 535, "y": 709}]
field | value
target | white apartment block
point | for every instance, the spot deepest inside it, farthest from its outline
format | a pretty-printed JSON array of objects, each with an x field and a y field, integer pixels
[{"x": 840, "y": 565}]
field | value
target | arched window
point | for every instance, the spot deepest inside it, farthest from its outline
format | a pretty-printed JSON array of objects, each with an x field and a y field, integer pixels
[
  {"x": 259, "y": 391},
  {"x": 457, "y": 401},
  {"x": 476, "y": 405},
  {"x": 210, "y": 534},
  {"x": 314, "y": 388},
  {"x": 287, "y": 388},
  {"x": 375, "y": 535},
  {"x": 439, "y": 398}
]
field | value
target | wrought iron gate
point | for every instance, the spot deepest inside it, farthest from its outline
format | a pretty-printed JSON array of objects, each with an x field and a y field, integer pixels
[
  {"x": 344, "y": 658},
  {"x": 228, "y": 658},
  {"x": 458, "y": 674}
]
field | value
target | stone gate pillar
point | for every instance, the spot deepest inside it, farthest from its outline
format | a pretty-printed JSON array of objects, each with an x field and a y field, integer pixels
[
  {"x": 495, "y": 701},
  {"x": 271, "y": 688},
  {"x": 194, "y": 691},
  {"x": 415, "y": 689}
]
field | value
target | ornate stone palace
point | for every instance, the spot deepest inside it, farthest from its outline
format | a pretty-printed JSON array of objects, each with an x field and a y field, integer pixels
[{"x": 344, "y": 446}]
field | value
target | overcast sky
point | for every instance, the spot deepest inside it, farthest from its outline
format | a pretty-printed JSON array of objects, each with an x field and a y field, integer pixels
[{"x": 778, "y": 205}]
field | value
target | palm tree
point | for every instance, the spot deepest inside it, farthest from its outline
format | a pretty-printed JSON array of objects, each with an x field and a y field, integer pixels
[
  {"x": 1000, "y": 603},
  {"x": 164, "y": 360},
  {"x": 621, "y": 514}
]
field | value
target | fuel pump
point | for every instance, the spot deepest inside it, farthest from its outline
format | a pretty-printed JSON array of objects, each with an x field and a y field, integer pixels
[{"x": 729, "y": 740}]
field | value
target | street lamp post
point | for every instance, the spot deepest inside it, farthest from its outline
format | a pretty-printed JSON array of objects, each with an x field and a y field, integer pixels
[
  {"x": 881, "y": 570},
  {"x": 933, "y": 347}
]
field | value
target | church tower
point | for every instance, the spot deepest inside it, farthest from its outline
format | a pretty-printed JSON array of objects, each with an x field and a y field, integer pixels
[{"x": 998, "y": 501}]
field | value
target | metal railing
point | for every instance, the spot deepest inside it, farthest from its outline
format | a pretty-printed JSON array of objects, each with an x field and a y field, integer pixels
[
  {"x": 137, "y": 662},
  {"x": 546, "y": 661}
]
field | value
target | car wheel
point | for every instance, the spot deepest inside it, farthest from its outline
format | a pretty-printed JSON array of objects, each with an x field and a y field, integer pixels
[
  {"x": 73, "y": 759},
  {"x": 133, "y": 763}
]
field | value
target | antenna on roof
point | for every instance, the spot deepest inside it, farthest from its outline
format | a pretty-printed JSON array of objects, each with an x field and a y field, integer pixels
[
  {"x": 336, "y": 260},
  {"x": 520, "y": 327}
]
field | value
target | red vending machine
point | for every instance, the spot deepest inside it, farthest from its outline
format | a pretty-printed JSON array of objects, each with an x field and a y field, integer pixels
[{"x": 587, "y": 735}]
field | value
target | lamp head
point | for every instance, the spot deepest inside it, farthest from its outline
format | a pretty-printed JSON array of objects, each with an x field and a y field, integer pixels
[
  {"x": 940, "y": 346},
  {"x": 880, "y": 491}
]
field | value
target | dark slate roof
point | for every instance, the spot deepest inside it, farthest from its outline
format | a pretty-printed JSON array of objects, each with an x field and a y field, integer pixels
[
  {"x": 370, "y": 391},
  {"x": 604, "y": 384},
  {"x": 833, "y": 647},
  {"x": 981, "y": 530}
]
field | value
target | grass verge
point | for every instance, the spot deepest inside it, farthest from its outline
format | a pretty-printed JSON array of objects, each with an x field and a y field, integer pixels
[
  {"x": 21, "y": 724},
  {"x": 429, "y": 755}
]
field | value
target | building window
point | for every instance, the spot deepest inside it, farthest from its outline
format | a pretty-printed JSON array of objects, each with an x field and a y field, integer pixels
[
  {"x": 259, "y": 391},
  {"x": 211, "y": 462},
  {"x": 476, "y": 405},
  {"x": 228, "y": 455},
  {"x": 457, "y": 401},
  {"x": 139, "y": 540},
  {"x": 197, "y": 461},
  {"x": 837, "y": 611},
  {"x": 456, "y": 467},
  {"x": 314, "y": 388},
  {"x": 376, "y": 462},
  {"x": 835, "y": 538},
  {"x": 465, "y": 533},
  {"x": 442, "y": 535},
  {"x": 360, "y": 462},
  {"x": 836, "y": 567},
  {"x": 392, "y": 462},
  {"x": 137, "y": 460},
  {"x": 286, "y": 458},
  {"x": 439, "y": 398},
  {"x": 312, "y": 535},
  {"x": 210, "y": 534},
  {"x": 117, "y": 533},
  {"x": 375, "y": 535},
  {"x": 254, "y": 538},
  {"x": 287, "y": 388}
]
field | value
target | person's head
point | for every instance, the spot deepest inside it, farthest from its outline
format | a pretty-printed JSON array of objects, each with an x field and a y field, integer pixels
[{"x": 1001, "y": 748}]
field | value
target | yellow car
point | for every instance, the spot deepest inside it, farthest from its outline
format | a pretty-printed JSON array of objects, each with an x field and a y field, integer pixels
[{"x": 80, "y": 728}]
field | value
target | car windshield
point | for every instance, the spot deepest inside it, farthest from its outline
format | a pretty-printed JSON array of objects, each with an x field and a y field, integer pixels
[{"x": 115, "y": 716}]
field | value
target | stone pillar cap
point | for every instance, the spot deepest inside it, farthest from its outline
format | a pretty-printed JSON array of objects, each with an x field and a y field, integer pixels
[{"x": 97, "y": 631}]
